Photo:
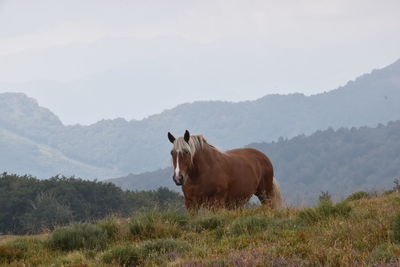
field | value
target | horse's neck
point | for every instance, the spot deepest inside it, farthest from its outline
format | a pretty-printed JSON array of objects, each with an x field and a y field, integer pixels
[{"x": 205, "y": 159}]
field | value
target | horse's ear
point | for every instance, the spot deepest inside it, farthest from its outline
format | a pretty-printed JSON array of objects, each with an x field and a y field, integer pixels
[
  {"x": 171, "y": 137},
  {"x": 186, "y": 137}
]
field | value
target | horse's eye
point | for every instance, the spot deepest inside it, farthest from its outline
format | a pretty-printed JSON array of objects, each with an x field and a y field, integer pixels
[
  {"x": 185, "y": 152},
  {"x": 172, "y": 152}
]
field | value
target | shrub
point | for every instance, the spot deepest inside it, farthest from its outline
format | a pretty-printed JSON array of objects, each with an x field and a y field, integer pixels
[
  {"x": 8, "y": 255},
  {"x": 357, "y": 196},
  {"x": 325, "y": 197},
  {"x": 124, "y": 255},
  {"x": 175, "y": 217},
  {"x": 110, "y": 226},
  {"x": 249, "y": 225},
  {"x": 78, "y": 236},
  {"x": 324, "y": 210},
  {"x": 158, "y": 225},
  {"x": 308, "y": 216},
  {"x": 159, "y": 247},
  {"x": 396, "y": 187},
  {"x": 395, "y": 229},
  {"x": 208, "y": 223}
]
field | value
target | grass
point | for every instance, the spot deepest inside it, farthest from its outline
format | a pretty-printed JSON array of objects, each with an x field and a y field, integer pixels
[
  {"x": 79, "y": 236},
  {"x": 360, "y": 231},
  {"x": 395, "y": 229},
  {"x": 357, "y": 195}
]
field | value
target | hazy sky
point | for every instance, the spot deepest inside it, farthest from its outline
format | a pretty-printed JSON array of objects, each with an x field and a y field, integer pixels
[{"x": 88, "y": 60}]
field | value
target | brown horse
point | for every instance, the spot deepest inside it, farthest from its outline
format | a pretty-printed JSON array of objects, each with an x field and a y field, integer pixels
[{"x": 214, "y": 179}]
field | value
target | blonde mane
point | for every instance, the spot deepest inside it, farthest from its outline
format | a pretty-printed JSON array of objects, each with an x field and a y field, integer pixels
[{"x": 196, "y": 143}]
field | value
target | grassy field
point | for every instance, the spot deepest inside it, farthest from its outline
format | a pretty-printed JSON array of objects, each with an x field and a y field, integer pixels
[{"x": 360, "y": 231}]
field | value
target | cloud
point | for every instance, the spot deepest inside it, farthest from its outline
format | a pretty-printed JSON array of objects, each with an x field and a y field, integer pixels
[
  {"x": 281, "y": 22},
  {"x": 224, "y": 49}
]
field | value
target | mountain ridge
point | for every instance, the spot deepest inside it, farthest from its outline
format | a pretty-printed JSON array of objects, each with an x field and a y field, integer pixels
[
  {"x": 338, "y": 161},
  {"x": 140, "y": 145}
]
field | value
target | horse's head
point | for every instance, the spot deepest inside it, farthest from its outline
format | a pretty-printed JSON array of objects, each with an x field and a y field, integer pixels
[{"x": 182, "y": 157}]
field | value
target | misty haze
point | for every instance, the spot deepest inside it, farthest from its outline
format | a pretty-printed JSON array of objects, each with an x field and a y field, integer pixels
[{"x": 292, "y": 104}]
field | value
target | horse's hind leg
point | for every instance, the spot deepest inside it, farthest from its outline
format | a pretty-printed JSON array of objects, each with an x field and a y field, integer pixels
[{"x": 268, "y": 193}]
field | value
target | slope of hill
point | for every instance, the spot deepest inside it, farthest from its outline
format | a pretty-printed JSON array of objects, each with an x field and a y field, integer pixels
[
  {"x": 20, "y": 155},
  {"x": 147, "y": 180},
  {"x": 138, "y": 146},
  {"x": 341, "y": 162},
  {"x": 361, "y": 231},
  {"x": 26, "y": 130}
]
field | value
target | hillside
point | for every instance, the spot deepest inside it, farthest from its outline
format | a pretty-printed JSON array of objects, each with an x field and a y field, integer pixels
[
  {"x": 341, "y": 162},
  {"x": 21, "y": 155},
  {"x": 25, "y": 129},
  {"x": 30, "y": 206},
  {"x": 137, "y": 146},
  {"x": 360, "y": 231}
]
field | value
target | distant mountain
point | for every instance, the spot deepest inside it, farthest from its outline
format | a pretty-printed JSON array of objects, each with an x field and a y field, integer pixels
[
  {"x": 20, "y": 155},
  {"x": 25, "y": 128},
  {"x": 147, "y": 180},
  {"x": 340, "y": 162},
  {"x": 138, "y": 146}
]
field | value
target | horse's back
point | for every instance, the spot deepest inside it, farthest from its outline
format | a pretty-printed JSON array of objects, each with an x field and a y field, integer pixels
[
  {"x": 257, "y": 164},
  {"x": 251, "y": 155}
]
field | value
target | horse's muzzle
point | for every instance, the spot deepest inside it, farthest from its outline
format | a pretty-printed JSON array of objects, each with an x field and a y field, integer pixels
[{"x": 178, "y": 181}]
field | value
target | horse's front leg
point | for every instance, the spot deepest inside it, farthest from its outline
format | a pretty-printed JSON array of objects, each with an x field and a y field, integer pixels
[{"x": 191, "y": 206}]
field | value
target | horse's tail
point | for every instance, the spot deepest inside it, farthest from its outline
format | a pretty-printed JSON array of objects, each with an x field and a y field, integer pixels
[{"x": 276, "y": 199}]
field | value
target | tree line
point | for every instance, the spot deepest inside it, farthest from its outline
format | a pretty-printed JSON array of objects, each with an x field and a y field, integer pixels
[
  {"x": 31, "y": 205},
  {"x": 340, "y": 161}
]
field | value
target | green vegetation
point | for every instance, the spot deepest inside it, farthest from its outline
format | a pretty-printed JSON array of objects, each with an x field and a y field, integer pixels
[
  {"x": 79, "y": 236},
  {"x": 351, "y": 158},
  {"x": 123, "y": 255},
  {"x": 347, "y": 233},
  {"x": 357, "y": 196},
  {"x": 158, "y": 224},
  {"x": 30, "y": 205},
  {"x": 324, "y": 210},
  {"x": 395, "y": 228}
]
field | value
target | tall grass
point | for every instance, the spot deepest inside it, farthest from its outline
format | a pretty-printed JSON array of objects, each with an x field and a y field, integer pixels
[
  {"x": 360, "y": 231},
  {"x": 395, "y": 229},
  {"x": 326, "y": 209},
  {"x": 158, "y": 224},
  {"x": 79, "y": 236}
]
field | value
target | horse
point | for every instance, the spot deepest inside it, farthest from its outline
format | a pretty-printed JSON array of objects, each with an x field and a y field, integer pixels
[{"x": 211, "y": 178}]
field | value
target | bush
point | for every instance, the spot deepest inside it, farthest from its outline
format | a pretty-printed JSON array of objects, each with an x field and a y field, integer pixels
[
  {"x": 175, "y": 217},
  {"x": 325, "y": 197},
  {"x": 158, "y": 225},
  {"x": 249, "y": 225},
  {"x": 208, "y": 223},
  {"x": 8, "y": 255},
  {"x": 395, "y": 229},
  {"x": 78, "y": 236},
  {"x": 159, "y": 247},
  {"x": 308, "y": 216},
  {"x": 324, "y": 210},
  {"x": 357, "y": 196},
  {"x": 396, "y": 187},
  {"x": 124, "y": 255},
  {"x": 110, "y": 226}
]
